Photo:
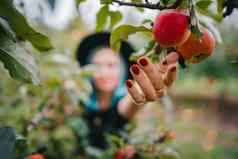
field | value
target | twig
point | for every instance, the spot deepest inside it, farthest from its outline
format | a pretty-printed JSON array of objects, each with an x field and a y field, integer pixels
[
  {"x": 147, "y": 2},
  {"x": 149, "y": 5},
  {"x": 229, "y": 6},
  {"x": 176, "y": 4},
  {"x": 140, "y": 5}
]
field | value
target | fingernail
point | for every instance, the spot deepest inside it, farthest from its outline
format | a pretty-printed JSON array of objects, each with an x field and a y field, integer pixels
[
  {"x": 143, "y": 62},
  {"x": 135, "y": 69},
  {"x": 165, "y": 62},
  {"x": 173, "y": 69},
  {"x": 128, "y": 83}
]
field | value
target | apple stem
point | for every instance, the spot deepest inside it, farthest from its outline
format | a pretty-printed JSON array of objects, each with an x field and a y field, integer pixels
[{"x": 182, "y": 62}]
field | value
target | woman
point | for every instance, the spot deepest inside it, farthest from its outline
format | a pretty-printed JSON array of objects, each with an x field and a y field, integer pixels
[{"x": 115, "y": 100}]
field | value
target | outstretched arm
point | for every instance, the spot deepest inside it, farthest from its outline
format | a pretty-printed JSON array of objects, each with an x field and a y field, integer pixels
[{"x": 150, "y": 82}]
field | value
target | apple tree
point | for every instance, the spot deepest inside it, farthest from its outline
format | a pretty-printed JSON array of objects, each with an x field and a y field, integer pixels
[
  {"x": 185, "y": 26},
  {"x": 189, "y": 30}
]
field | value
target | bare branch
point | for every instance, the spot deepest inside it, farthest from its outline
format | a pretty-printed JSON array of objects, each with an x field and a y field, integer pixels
[
  {"x": 140, "y": 5},
  {"x": 147, "y": 2},
  {"x": 176, "y": 4},
  {"x": 149, "y": 5}
]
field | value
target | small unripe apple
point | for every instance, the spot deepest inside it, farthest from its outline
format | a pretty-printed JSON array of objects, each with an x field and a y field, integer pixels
[
  {"x": 197, "y": 49},
  {"x": 171, "y": 28}
]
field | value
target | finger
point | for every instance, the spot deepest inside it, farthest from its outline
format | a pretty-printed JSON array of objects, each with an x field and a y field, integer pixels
[
  {"x": 144, "y": 82},
  {"x": 152, "y": 73},
  {"x": 137, "y": 96},
  {"x": 171, "y": 58},
  {"x": 170, "y": 75},
  {"x": 161, "y": 92}
]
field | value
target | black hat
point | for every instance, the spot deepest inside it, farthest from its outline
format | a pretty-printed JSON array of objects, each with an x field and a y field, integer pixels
[{"x": 97, "y": 40}]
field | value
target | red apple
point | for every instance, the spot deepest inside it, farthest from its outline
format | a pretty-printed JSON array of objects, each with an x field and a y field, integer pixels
[
  {"x": 195, "y": 50},
  {"x": 171, "y": 28}
]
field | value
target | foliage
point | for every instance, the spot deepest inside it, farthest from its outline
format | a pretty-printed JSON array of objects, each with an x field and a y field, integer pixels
[
  {"x": 48, "y": 118},
  {"x": 198, "y": 10},
  {"x": 14, "y": 30},
  {"x": 20, "y": 63}
]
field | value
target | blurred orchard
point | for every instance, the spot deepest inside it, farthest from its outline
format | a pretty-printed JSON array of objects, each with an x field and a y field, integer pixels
[{"x": 44, "y": 117}]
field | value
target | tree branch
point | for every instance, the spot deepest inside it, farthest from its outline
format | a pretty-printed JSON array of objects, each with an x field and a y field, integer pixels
[
  {"x": 229, "y": 6},
  {"x": 140, "y": 5},
  {"x": 148, "y": 5},
  {"x": 176, "y": 4}
]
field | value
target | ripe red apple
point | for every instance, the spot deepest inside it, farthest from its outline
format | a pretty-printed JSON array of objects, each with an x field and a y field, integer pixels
[
  {"x": 119, "y": 155},
  {"x": 36, "y": 156},
  {"x": 195, "y": 50},
  {"x": 125, "y": 152},
  {"x": 171, "y": 28}
]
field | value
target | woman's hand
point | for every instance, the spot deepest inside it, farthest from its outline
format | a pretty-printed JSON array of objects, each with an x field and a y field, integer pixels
[{"x": 151, "y": 81}]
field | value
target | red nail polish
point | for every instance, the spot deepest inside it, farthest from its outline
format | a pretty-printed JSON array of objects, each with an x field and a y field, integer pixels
[
  {"x": 173, "y": 69},
  {"x": 165, "y": 62},
  {"x": 135, "y": 69},
  {"x": 143, "y": 62},
  {"x": 128, "y": 83}
]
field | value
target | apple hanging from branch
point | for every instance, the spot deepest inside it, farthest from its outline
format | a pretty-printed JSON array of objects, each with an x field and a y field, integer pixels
[{"x": 176, "y": 28}]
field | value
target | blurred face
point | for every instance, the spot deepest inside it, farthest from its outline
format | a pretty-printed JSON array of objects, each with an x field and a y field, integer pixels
[{"x": 108, "y": 75}]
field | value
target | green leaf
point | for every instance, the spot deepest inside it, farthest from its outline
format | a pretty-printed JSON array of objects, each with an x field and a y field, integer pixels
[
  {"x": 115, "y": 140},
  {"x": 104, "y": 14},
  {"x": 204, "y": 4},
  {"x": 116, "y": 17},
  {"x": 7, "y": 140},
  {"x": 155, "y": 58},
  {"x": 169, "y": 153},
  {"x": 78, "y": 2},
  {"x": 147, "y": 21},
  {"x": 220, "y": 6},
  {"x": 150, "y": 46},
  {"x": 106, "y": 1},
  {"x": 43, "y": 104},
  {"x": 234, "y": 63},
  {"x": 136, "y": 1},
  {"x": 138, "y": 8},
  {"x": 20, "y": 63},
  {"x": 134, "y": 57},
  {"x": 184, "y": 4},
  {"x": 79, "y": 126},
  {"x": 102, "y": 17},
  {"x": 145, "y": 51},
  {"x": 202, "y": 7},
  {"x": 216, "y": 17},
  {"x": 123, "y": 32},
  {"x": 20, "y": 143},
  {"x": 22, "y": 29},
  {"x": 8, "y": 29}
]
